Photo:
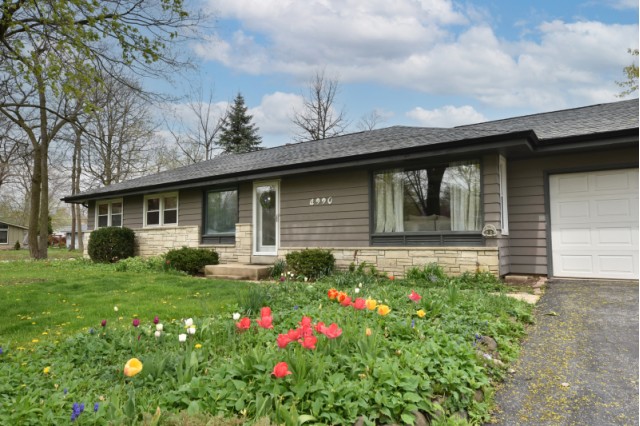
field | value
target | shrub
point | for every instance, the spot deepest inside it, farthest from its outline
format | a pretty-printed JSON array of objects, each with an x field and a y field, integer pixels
[
  {"x": 431, "y": 273},
  {"x": 108, "y": 245},
  {"x": 139, "y": 264},
  {"x": 278, "y": 268},
  {"x": 16, "y": 246},
  {"x": 312, "y": 263},
  {"x": 191, "y": 260}
]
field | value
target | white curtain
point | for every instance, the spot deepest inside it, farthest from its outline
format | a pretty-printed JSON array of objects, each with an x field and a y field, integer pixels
[
  {"x": 464, "y": 186},
  {"x": 389, "y": 202}
]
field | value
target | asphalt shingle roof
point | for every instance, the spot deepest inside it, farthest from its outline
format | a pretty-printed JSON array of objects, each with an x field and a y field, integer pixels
[{"x": 602, "y": 118}]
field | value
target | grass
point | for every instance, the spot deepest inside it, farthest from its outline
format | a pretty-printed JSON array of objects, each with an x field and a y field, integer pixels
[
  {"x": 44, "y": 300},
  {"x": 52, "y": 253}
]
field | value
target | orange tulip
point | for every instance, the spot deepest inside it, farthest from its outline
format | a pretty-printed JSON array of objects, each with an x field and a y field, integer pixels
[
  {"x": 332, "y": 293},
  {"x": 132, "y": 367},
  {"x": 371, "y": 304},
  {"x": 341, "y": 296}
]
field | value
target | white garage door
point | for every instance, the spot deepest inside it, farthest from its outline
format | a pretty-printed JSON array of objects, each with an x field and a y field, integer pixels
[{"x": 594, "y": 224}]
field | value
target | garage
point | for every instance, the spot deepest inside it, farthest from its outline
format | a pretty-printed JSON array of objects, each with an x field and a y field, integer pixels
[{"x": 594, "y": 224}]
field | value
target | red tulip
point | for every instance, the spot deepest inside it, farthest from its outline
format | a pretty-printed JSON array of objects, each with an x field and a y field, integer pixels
[
  {"x": 156, "y": 320},
  {"x": 136, "y": 322},
  {"x": 332, "y": 331},
  {"x": 346, "y": 301},
  {"x": 265, "y": 312},
  {"x": 283, "y": 340},
  {"x": 306, "y": 322},
  {"x": 281, "y": 369},
  {"x": 341, "y": 296},
  {"x": 294, "y": 334},
  {"x": 320, "y": 326},
  {"x": 415, "y": 296},
  {"x": 243, "y": 324},
  {"x": 309, "y": 342},
  {"x": 359, "y": 303},
  {"x": 265, "y": 322},
  {"x": 103, "y": 323}
]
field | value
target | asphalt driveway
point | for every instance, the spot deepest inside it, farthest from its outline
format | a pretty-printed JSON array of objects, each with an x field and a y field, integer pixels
[{"x": 579, "y": 364}]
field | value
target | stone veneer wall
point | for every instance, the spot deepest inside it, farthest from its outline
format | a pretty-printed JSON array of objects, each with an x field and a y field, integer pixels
[
  {"x": 391, "y": 260},
  {"x": 397, "y": 261}
]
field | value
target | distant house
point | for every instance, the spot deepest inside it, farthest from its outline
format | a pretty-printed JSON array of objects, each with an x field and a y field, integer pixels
[
  {"x": 552, "y": 194},
  {"x": 10, "y": 234},
  {"x": 66, "y": 233}
]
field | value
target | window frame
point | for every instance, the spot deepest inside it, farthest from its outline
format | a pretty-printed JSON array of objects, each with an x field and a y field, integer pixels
[
  {"x": 504, "y": 208},
  {"x": 425, "y": 238},
  {"x": 161, "y": 209},
  {"x": 218, "y": 237},
  {"x": 4, "y": 228},
  {"x": 109, "y": 214}
]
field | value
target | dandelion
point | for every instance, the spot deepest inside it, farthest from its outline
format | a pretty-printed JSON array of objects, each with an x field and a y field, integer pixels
[
  {"x": 236, "y": 316},
  {"x": 35, "y": 341},
  {"x": 46, "y": 370},
  {"x": 421, "y": 313},
  {"x": 198, "y": 346},
  {"x": 182, "y": 338}
]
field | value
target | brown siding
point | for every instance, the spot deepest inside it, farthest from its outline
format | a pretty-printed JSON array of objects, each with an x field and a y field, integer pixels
[
  {"x": 91, "y": 215},
  {"x": 344, "y": 223},
  {"x": 132, "y": 211},
  {"x": 190, "y": 207},
  {"x": 526, "y": 192},
  {"x": 492, "y": 209},
  {"x": 245, "y": 208}
]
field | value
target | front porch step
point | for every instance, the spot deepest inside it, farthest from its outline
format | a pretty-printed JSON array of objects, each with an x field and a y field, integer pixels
[{"x": 237, "y": 271}]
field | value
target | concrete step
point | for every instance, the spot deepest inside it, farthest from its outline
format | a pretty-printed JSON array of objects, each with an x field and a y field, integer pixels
[{"x": 237, "y": 271}]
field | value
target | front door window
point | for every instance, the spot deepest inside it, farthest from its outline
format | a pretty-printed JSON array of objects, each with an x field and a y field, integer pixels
[{"x": 266, "y": 218}]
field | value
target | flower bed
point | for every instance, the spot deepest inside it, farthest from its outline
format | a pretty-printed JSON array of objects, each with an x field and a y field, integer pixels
[{"x": 350, "y": 347}]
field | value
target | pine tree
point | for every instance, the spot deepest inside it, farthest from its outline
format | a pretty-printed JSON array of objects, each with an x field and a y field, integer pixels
[{"x": 237, "y": 133}]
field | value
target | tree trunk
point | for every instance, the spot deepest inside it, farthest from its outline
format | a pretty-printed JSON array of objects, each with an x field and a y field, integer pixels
[
  {"x": 34, "y": 208},
  {"x": 434, "y": 181},
  {"x": 44, "y": 169}
]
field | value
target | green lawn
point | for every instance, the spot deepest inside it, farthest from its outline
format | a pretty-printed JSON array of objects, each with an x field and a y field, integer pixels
[
  {"x": 45, "y": 300},
  {"x": 52, "y": 253}
]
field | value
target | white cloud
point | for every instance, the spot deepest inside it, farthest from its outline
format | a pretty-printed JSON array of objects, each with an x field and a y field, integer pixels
[
  {"x": 430, "y": 46},
  {"x": 447, "y": 116},
  {"x": 273, "y": 115}
]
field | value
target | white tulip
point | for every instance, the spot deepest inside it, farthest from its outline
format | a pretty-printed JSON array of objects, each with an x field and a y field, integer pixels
[
  {"x": 191, "y": 330},
  {"x": 159, "y": 327},
  {"x": 182, "y": 338},
  {"x": 357, "y": 290},
  {"x": 158, "y": 333},
  {"x": 236, "y": 316},
  {"x": 115, "y": 308},
  {"x": 188, "y": 322}
]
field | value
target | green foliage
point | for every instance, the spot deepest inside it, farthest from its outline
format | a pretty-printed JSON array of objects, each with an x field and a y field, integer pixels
[
  {"x": 108, "y": 245},
  {"x": 279, "y": 267},
  {"x": 16, "y": 246},
  {"x": 237, "y": 133},
  {"x": 431, "y": 272},
  {"x": 255, "y": 299},
  {"x": 191, "y": 260},
  {"x": 407, "y": 363},
  {"x": 141, "y": 264},
  {"x": 311, "y": 263},
  {"x": 630, "y": 84}
]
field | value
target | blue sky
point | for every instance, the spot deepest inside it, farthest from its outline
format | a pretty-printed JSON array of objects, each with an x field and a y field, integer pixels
[{"x": 416, "y": 62}]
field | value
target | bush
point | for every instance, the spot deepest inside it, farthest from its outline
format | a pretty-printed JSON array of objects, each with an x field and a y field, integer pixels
[
  {"x": 108, "y": 245},
  {"x": 312, "y": 263},
  {"x": 279, "y": 267},
  {"x": 191, "y": 260},
  {"x": 139, "y": 264},
  {"x": 16, "y": 246}
]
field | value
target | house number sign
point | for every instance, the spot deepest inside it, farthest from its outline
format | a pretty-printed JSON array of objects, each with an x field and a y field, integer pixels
[{"x": 320, "y": 201}]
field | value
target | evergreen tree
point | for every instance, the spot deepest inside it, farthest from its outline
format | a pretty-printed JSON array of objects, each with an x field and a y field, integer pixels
[{"x": 237, "y": 133}]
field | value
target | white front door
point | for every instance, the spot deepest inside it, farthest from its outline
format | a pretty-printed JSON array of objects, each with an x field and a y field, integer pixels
[
  {"x": 594, "y": 224},
  {"x": 266, "y": 211}
]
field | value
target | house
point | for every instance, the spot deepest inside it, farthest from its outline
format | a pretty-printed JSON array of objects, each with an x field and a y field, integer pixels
[
  {"x": 66, "y": 233},
  {"x": 553, "y": 194},
  {"x": 10, "y": 234}
]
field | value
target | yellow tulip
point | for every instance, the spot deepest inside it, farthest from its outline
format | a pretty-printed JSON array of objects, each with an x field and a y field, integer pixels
[
  {"x": 421, "y": 313},
  {"x": 371, "y": 304},
  {"x": 367, "y": 332},
  {"x": 132, "y": 367},
  {"x": 383, "y": 310}
]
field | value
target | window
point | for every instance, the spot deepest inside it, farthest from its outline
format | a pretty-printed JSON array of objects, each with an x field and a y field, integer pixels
[
  {"x": 221, "y": 212},
  {"x": 504, "y": 212},
  {"x": 108, "y": 213},
  {"x": 161, "y": 209},
  {"x": 4, "y": 233},
  {"x": 444, "y": 197}
]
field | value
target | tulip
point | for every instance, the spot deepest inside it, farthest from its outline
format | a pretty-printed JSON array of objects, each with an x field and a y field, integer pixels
[
  {"x": 341, "y": 296},
  {"x": 265, "y": 312},
  {"x": 156, "y": 320},
  {"x": 191, "y": 329},
  {"x": 383, "y": 310},
  {"x": 236, "y": 316},
  {"x": 182, "y": 338},
  {"x": 244, "y": 324},
  {"x": 346, "y": 301},
  {"x": 158, "y": 333},
  {"x": 281, "y": 370},
  {"x": 367, "y": 331},
  {"x": 159, "y": 327},
  {"x": 188, "y": 322},
  {"x": 265, "y": 322},
  {"x": 306, "y": 322},
  {"x": 415, "y": 296},
  {"x": 309, "y": 342},
  {"x": 104, "y": 323},
  {"x": 359, "y": 303},
  {"x": 371, "y": 304},
  {"x": 357, "y": 290},
  {"x": 283, "y": 340},
  {"x": 332, "y": 293},
  {"x": 136, "y": 322},
  {"x": 332, "y": 331},
  {"x": 132, "y": 367},
  {"x": 115, "y": 308}
]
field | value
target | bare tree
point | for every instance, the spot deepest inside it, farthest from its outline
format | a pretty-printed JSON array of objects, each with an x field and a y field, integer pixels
[
  {"x": 12, "y": 150},
  {"x": 319, "y": 118},
  {"x": 370, "y": 121},
  {"x": 196, "y": 139}
]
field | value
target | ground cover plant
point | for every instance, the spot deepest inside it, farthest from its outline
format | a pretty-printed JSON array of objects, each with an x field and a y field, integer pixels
[{"x": 348, "y": 347}]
